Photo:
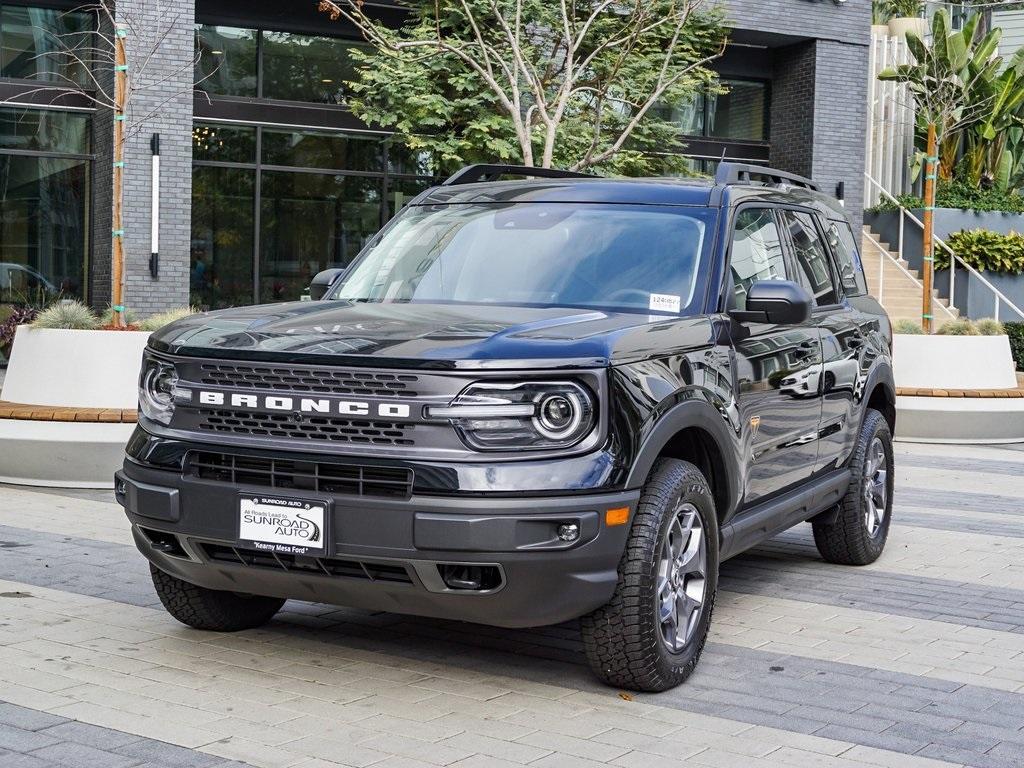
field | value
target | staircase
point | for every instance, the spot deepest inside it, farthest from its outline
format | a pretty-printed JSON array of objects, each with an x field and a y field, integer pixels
[{"x": 901, "y": 295}]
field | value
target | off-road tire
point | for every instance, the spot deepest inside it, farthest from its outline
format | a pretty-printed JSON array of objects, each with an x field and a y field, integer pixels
[
  {"x": 842, "y": 536},
  {"x": 623, "y": 639},
  {"x": 212, "y": 609}
]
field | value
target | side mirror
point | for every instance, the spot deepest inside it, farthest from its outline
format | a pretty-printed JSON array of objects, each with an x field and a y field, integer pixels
[
  {"x": 778, "y": 302},
  {"x": 322, "y": 281}
]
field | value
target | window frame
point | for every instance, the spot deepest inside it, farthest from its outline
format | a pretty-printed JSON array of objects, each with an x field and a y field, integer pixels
[{"x": 727, "y": 287}]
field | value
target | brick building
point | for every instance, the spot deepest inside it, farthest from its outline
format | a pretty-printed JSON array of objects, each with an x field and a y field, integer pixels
[{"x": 266, "y": 177}]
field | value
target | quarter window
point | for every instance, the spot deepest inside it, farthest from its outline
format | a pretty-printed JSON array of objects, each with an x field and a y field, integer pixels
[
  {"x": 844, "y": 248},
  {"x": 756, "y": 252},
  {"x": 813, "y": 267}
]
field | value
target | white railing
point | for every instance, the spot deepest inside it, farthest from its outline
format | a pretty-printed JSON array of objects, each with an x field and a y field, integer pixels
[
  {"x": 954, "y": 260},
  {"x": 889, "y": 145},
  {"x": 899, "y": 264}
]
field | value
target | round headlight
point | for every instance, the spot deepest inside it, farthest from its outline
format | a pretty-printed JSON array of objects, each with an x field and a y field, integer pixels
[
  {"x": 156, "y": 391},
  {"x": 558, "y": 415}
]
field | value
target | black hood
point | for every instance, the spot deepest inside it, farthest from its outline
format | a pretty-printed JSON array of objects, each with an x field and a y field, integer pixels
[{"x": 429, "y": 335}]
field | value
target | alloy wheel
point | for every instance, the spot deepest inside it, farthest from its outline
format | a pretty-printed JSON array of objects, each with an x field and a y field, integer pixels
[
  {"x": 682, "y": 578},
  {"x": 876, "y": 487}
]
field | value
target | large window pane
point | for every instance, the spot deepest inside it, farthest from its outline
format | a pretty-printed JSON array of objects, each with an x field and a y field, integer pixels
[
  {"x": 34, "y": 43},
  {"x": 227, "y": 60},
  {"x": 401, "y": 191},
  {"x": 305, "y": 68},
  {"x": 687, "y": 116},
  {"x": 310, "y": 222},
  {"x": 308, "y": 149},
  {"x": 44, "y": 131},
  {"x": 740, "y": 113},
  {"x": 43, "y": 227},
  {"x": 223, "y": 143},
  {"x": 222, "y": 237}
]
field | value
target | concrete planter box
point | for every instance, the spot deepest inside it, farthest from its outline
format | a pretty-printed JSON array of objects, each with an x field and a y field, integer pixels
[
  {"x": 899, "y": 27},
  {"x": 971, "y": 296},
  {"x": 953, "y": 362},
  {"x": 78, "y": 369}
]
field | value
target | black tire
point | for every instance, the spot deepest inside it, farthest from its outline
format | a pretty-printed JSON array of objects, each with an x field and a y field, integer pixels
[
  {"x": 846, "y": 536},
  {"x": 212, "y": 609},
  {"x": 623, "y": 640}
]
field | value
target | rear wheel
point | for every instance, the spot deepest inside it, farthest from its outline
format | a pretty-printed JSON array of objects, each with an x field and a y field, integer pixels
[
  {"x": 212, "y": 609},
  {"x": 650, "y": 636},
  {"x": 857, "y": 532}
]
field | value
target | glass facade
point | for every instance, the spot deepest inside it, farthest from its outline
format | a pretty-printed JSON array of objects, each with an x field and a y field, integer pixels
[
  {"x": 34, "y": 44},
  {"x": 272, "y": 207},
  {"x": 44, "y": 204}
]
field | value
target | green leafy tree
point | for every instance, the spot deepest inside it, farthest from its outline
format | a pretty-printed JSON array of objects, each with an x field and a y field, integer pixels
[{"x": 547, "y": 83}]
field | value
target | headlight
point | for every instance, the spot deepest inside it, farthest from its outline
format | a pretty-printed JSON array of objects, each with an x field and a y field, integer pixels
[
  {"x": 157, "y": 388},
  {"x": 516, "y": 416}
]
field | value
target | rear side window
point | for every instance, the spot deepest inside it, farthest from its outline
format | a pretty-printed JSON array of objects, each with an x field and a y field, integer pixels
[
  {"x": 844, "y": 248},
  {"x": 756, "y": 252},
  {"x": 812, "y": 262}
]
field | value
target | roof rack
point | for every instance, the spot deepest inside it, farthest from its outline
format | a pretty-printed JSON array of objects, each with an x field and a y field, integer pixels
[
  {"x": 481, "y": 172},
  {"x": 738, "y": 173}
]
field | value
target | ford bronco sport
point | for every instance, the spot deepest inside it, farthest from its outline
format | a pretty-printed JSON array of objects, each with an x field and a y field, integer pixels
[{"x": 525, "y": 402}]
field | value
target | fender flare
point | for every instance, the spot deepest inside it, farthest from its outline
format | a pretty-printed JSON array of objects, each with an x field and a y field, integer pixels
[
  {"x": 692, "y": 414},
  {"x": 881, "y": 375}
]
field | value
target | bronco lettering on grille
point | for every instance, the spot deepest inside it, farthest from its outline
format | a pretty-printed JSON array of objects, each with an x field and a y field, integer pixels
[{"x": 304, "y": 405}]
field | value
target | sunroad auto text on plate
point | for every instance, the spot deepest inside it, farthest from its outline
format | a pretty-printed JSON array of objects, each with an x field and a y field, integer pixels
[{"x": 288, "y": 526}]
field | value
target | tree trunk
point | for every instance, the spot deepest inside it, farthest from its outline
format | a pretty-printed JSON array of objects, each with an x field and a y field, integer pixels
[
  {"x": 117, "y": 218},
  {"x": 931, "y": 171}
]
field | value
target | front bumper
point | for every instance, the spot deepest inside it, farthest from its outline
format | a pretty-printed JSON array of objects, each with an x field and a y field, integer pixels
[{"x": 385, "y": 553}]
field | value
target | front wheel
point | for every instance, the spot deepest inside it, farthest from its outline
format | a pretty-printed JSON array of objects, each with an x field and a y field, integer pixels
[
  {"x": 856, "y": 533},
  {"x": 650, "y": 636},
  {"x": 212, "y": 609}
]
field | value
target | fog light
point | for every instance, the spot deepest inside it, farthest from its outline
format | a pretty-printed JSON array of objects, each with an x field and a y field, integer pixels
[{"x": 569, "y": 531}]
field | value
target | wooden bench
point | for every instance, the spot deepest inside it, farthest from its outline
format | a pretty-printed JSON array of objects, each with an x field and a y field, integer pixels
[
  {"x": 983, "y": 393},
  {"x": 26, "y": 412}
]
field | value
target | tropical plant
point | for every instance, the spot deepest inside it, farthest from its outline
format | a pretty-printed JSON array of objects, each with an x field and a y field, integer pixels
[
  {"x": 67, "y": 315},
  {"x": 880, "y": 13},
  {"x": 907, "y": 327},
  {"x": 959, "y": 327},
  {"x": 157, "y": 321},
  {"x": 989, "y": 326},
  {"x": 960, "y": 194},
  {"x": 986, "y": 251},
  {"x": 999, "y": 91},
  {"x": 574, "y": 85}
]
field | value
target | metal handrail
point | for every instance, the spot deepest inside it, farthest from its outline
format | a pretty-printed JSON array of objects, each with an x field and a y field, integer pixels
[
  {"x": 953, "y": 257},
  {"x": 881, "y": 273}
]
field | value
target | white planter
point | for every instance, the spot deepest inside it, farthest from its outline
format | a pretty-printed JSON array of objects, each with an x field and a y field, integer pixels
[
  {"x": 953, "y": 362},
  {"x": 880, "y": 30},
  {"x": 77, "y": 369},
  {"x": 899, "y": 27}
]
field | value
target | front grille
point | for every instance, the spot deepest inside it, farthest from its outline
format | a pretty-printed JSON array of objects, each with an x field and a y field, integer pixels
[
  {"x": 317, "y": 476},
  {"x": 336, "y": 430},
  {"x": 320, "y": 380},
  {"x": 321, "y": 566}
]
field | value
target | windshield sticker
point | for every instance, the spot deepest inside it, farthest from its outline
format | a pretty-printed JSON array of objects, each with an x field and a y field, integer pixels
[{"x": 664, "y": 302}]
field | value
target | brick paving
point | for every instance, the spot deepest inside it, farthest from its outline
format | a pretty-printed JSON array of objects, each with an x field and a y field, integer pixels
[{"x": 917, "y": 660}]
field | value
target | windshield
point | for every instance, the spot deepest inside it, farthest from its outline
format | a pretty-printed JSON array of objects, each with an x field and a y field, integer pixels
[{"x": 630, "y": 258}]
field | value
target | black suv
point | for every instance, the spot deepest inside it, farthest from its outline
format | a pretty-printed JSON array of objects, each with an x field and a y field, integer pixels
[{"x": 526, "y": 402}]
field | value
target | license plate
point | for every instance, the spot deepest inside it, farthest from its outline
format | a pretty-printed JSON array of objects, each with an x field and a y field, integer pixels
[{"x": 286, "y": 526}]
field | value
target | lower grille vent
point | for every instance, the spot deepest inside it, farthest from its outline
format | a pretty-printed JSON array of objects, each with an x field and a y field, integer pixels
[
  {"x": 318, "y": 476},
  {"x": 321, "y": 566}
]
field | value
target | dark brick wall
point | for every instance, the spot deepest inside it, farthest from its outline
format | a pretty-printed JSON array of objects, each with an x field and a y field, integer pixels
[
  {"x": 102, "y": 171},
  {"x": 165, "y": 109},
  {"x": 792, "y": 108},
  {"x": 847, "y": 22}
]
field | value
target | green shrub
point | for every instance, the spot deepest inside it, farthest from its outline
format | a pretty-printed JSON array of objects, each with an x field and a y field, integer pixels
[
  {"x": 68, "y": 315},
  {"x": 988, "y": 326},
  {"x": 985, "y": 251},
  {"x": 960, "y": 327},
  {"x": 1016, "y": 333},
  {"x": 109, "y": 317},
  {"x": 907, "y": 327},
  {"x": 960, "y": 194},
  {"x": 163, "y": 318}
]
